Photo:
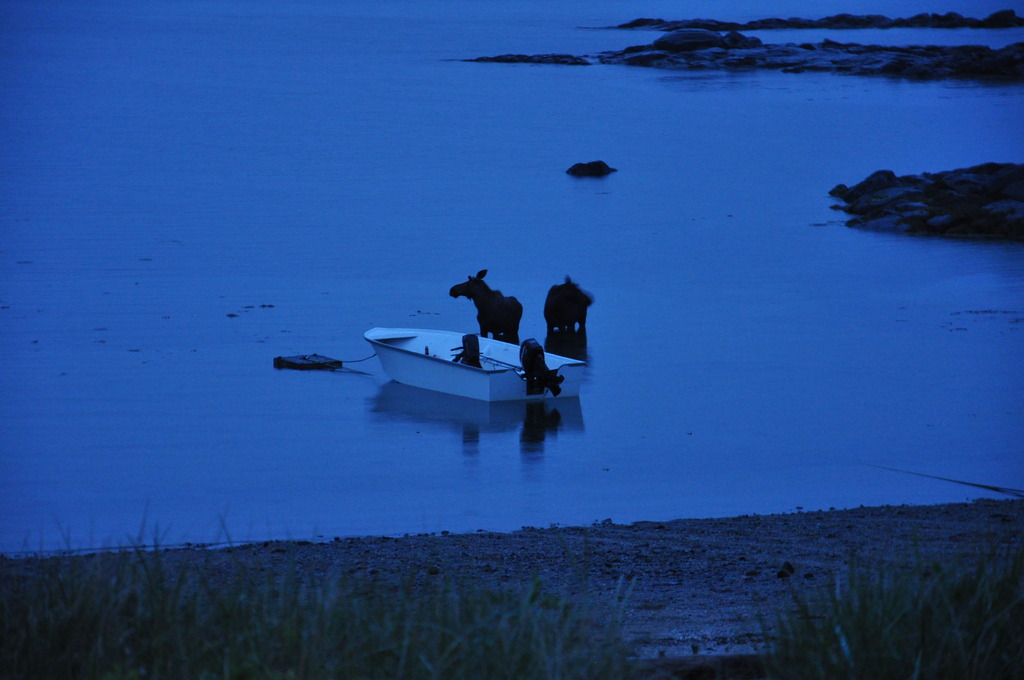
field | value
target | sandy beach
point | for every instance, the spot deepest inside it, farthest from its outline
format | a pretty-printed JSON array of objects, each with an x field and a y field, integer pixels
[
  {"x": 696, "y": 598},
  {"x": 691, "y": 587}
]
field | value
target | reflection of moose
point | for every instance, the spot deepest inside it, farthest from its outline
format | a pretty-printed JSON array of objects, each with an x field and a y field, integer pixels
[
  {"x": 497, "y": 314},
  {"x": 565, "y": 307}
]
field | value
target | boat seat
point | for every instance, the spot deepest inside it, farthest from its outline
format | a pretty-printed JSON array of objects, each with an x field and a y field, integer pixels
[{"x": 470, "y": 355}]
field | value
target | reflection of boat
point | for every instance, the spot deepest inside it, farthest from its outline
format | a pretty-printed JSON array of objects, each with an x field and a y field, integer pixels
[
  {"x": 419, "y": 406},
  {"x": 435, "y": 360},
  {"x": 474, "y": 419}
]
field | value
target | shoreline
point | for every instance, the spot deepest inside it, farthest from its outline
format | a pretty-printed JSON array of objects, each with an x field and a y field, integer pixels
[{"x": 683, "y": 588}]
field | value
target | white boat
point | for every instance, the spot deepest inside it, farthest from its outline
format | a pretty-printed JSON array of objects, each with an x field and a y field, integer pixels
[{"x": 434, "y": 360}]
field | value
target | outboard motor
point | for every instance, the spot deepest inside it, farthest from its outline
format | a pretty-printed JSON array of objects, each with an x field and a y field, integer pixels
[
  {"x": 538, "y": 376},
  {"x": 470, "y": 354}
]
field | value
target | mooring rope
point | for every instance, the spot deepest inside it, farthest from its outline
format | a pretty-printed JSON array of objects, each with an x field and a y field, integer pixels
[{"x": 356, "y": 361}]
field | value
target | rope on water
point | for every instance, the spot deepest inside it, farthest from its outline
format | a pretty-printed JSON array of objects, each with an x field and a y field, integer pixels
[{"x": 356, "y": 361}]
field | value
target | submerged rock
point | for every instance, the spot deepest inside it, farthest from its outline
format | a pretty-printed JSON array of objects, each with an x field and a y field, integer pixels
[{"x": 980, "y": 201}]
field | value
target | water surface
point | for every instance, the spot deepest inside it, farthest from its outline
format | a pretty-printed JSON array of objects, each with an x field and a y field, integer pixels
[{"x": 191, "y": 189}]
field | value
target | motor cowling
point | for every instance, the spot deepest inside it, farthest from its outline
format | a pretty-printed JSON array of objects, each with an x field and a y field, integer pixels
[{"x": 538, "y": 376}]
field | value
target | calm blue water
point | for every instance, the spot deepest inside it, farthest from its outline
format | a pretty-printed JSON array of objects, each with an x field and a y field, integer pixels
[{"x": 191, "y": 189}]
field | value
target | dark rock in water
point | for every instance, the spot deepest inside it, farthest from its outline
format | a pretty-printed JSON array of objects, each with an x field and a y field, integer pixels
[
  {"x": 563, "y": 59},
  {"x": 688, "y": 40},
  {"x": 642, "y": 23},
  {"x": 591, "y": 169},
  {"x": 980, "y": 201},
  {"x": 1005, "y": 18},
  {"x": 877, "y": 181}
]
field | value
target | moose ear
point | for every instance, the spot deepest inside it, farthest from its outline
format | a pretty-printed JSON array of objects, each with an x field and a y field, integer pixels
[{"x": 481, "y": 274}]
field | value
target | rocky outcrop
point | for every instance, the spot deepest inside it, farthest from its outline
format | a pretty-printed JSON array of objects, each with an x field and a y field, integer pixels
[
  {"x": 711, "y": 44},
  {"x": 981, "y": 201},
  {"x": 918, "y": 62},
  {"x": 1006, "y": 18},
  {"x": 690, "y": 49}
]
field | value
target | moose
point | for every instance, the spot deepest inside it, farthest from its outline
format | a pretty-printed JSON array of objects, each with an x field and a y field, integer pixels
[
  {"x": 565, "y": 307},
  {"x": 497, "y": 314}
]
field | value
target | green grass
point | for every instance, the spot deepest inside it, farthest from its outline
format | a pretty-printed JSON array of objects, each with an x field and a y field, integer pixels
[
  {"x": 129, "y": 615},
  {"x": 960, "y": 619}
]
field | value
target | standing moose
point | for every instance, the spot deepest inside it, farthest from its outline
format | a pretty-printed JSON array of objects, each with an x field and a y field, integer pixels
[
  {"x": 497, "y": 314},
  {"x": 565, "y": 307}
]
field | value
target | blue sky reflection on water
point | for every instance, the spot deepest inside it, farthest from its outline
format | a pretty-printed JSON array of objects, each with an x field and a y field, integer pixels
[{"x": 177, "y": 212}]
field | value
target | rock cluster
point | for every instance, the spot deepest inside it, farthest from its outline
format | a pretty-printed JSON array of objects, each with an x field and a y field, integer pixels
[
  {"x": 1006, "y": 18},
  {"x": 984, "y": 201},
  {"x": 694, "y": 48},
  {"x": 711, "y": 44},
  {"x": 702, "y": 49}
]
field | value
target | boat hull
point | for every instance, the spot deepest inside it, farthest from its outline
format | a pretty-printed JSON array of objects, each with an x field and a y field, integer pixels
[{"x": 425, "y": 358}]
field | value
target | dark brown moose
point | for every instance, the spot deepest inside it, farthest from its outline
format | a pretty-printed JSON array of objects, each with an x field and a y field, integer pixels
[
  {"x": 498, "y": 315},
  {"x": 565, "y": 309}
]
